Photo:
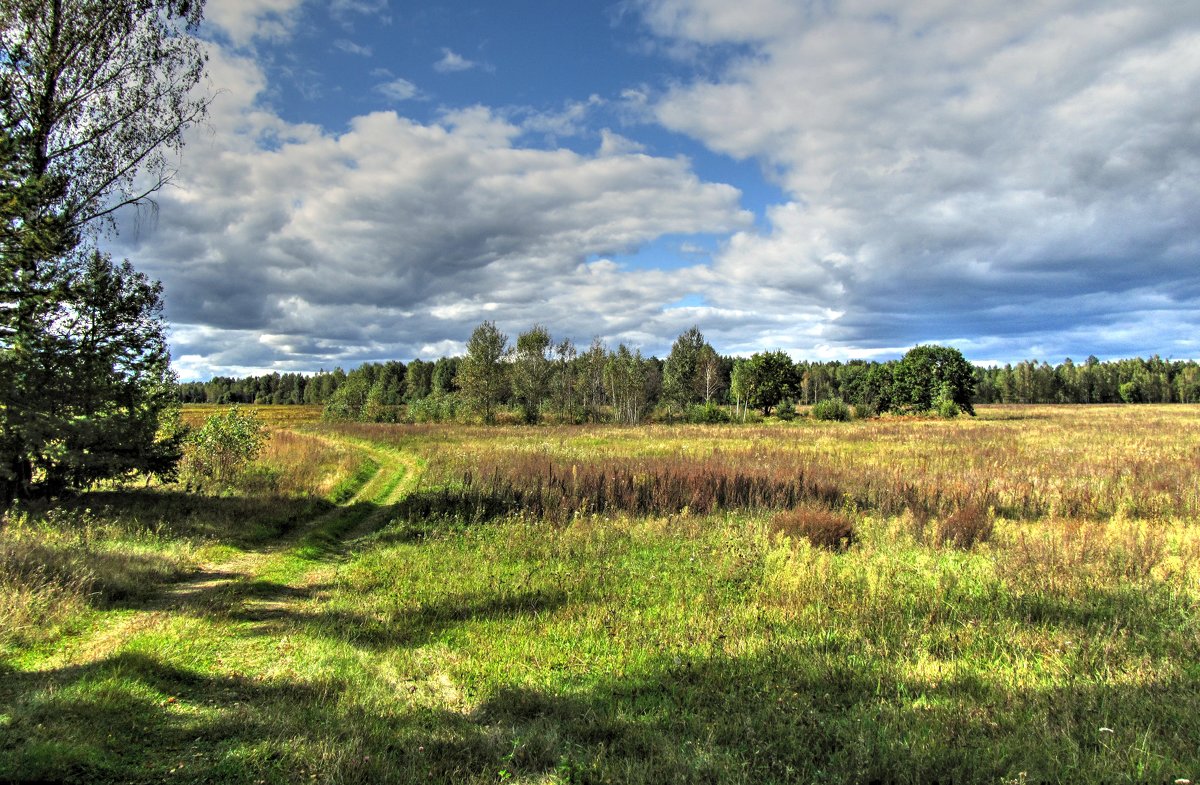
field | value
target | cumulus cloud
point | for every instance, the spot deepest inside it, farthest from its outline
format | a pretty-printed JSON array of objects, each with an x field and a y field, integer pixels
[
  {"x": 244, "y": 21},
  {"x": 1026, "y": 173},
  {"x": 290, "y": 247},
  {"x": 452, "y": 62},
  {"x": 397, "y": 89}
]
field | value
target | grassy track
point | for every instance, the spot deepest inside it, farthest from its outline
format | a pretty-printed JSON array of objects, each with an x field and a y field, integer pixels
[{"x": 151, "y": 669}]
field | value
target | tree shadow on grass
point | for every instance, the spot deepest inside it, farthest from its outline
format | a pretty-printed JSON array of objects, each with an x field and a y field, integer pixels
[
  {"x": 240, "y": 521},
  {"x": 780, "y": 716},
  {"x": 405, "y": 628}
]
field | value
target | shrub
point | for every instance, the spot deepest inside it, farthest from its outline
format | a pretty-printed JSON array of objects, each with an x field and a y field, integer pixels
[
  {"x": 219, "y": 452},
  {"x": 864, "y": 411},
  {"x": 831, "y": 409},
  {"x": 822, "y": 527},
  {"x": 945, "y": 405},
  {"x": 437, "y": 407},
  {"x": 786, "y": 410},
  {"x": 965, "y": 527},
  {"x": 707, "y": 413}
]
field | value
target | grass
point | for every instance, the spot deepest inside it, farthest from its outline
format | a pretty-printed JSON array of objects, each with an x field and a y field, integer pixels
[{"x": 1022, "y": 640}]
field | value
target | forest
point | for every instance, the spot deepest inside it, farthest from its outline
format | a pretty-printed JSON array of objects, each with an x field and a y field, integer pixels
[{"x": 576, "y": 386}]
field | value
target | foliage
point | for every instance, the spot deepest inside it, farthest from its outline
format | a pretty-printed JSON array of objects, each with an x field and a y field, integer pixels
[
  {"x": 680, "y": 371},
  {"x": 346, "y": 405},
  {"x": 707, "y": 413},
  {"x": 219, "y": 451},
  {"x": 629, "y": 379},
  {"x": 786, "y": 410},
  {"x": 93, "y": 95},
  {"x": 927, "y": 375},
  {"x": 481, "y": 374},
  {"x": 945, "y": 405},
  {"x": 530, "y": 371},
  {"x": 831, "y": 409},
  {"x": 444, "y": 379},
  {"x": 89, "y": 393},
  {"x": 97, "y": 94},
  {"x": 435, "y": 408},
  {"x": 770, "y": 377},
  {"x": 564, "y": 396},
  {"x": 418, "y": 379}
]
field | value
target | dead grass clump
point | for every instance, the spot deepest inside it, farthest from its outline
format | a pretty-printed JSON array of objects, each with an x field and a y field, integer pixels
[
  {"x": 1136, "y": 550},
  {"x": 39, "y": 588},
  {"x": 1067, "y": 547},
  {"x": 969, "y": 525},
  {"x": 822, "y": 527},
  {"x": 296, "y": 464}
]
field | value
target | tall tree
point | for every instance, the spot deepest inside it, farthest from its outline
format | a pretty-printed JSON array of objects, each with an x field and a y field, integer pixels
[
  {"x": 418, "y": 379},
  {"x": 771, "y": 378},
  {"x": 530, "y": 371},
  {"x": 711, "y": 378},
  {"x": 105, "y": 358},
  {"x": 97, "y": 94},
  {"x": 562, "y": 381},
  {"x": 593, "y": 388},
  {"x": 94, "y": 98},
  {"x": 481, "y": 374},
  {"x": 679, "y": 371},
  {"x": 929, "y": 374},
  {"x": 627, "y": 375}
]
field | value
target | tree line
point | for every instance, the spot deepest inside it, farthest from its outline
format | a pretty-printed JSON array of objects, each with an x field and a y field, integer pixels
[{"x": 537, "y": 377}]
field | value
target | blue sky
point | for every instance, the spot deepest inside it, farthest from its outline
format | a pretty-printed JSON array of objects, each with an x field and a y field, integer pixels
[{"x": 839, "y": 179}]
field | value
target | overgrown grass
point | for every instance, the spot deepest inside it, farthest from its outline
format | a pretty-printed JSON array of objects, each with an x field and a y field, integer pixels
[
  {"x": 1022, "y": 462},
  {"x": 1024, "y": 640},
  {"x": 59, "y": 564}
]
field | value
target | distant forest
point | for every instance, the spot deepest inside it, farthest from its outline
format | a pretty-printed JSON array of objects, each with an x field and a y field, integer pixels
[{"x": 393, "y": 384}]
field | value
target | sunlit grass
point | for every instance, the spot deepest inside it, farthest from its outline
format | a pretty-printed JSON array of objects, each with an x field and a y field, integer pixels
[{"x": 364, "y": 643}]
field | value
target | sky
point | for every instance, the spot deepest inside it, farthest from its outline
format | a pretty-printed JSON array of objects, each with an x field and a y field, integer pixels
[{"x": 835, "y": 179}]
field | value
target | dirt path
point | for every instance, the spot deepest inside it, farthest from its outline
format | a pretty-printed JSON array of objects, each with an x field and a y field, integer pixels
[{"x": 262, "y": 583}]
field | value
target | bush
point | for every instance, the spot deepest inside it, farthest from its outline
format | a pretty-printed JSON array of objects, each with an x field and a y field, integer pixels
[
  {"x": 948, "y": 409},
  {"x": 831, "y": 409},
  {"x": 707, "y": 413},
  {"x": 437, "y": 407},
  {"x": 864, "y": 411},
  {"x": 822, "y": 527},
  {"x": 786, "y": 410},
  {"x": 219, "y": 452},
  {"x": 965, "y": 527}
]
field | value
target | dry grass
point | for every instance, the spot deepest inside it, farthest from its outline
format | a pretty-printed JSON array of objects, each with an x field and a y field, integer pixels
[
  {"x": 1024, "y": 463},
  {"x": 966, "y": 527},
  {"x": 275, "y": 416},
  {"x": 822, "y": 527},
  {"x": 306, "y": 464}
]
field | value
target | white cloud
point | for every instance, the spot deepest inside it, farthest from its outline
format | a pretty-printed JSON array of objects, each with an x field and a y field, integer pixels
[
  {"x": 243, "y": 21},
  {"x": 295, "y": 248},
  {"x": 397, "y": 90},
  {"x": 614, "y": 144},
  {"x": 349, "y": 47},
  {"x": 568, "y": 121},
  {"x": 994, "y": 168},
  {"x": 452, "y": 62}
]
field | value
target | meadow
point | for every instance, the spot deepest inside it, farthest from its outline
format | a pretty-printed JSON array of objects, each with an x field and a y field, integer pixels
[{"x": 1006, "y": 599}]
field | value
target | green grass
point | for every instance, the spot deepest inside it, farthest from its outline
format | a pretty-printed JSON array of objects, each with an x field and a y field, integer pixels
[{"x": 351, "y": 645}]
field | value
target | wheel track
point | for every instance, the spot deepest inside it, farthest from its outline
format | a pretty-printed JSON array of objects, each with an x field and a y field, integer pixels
[{"x": 227, "y": 585}]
